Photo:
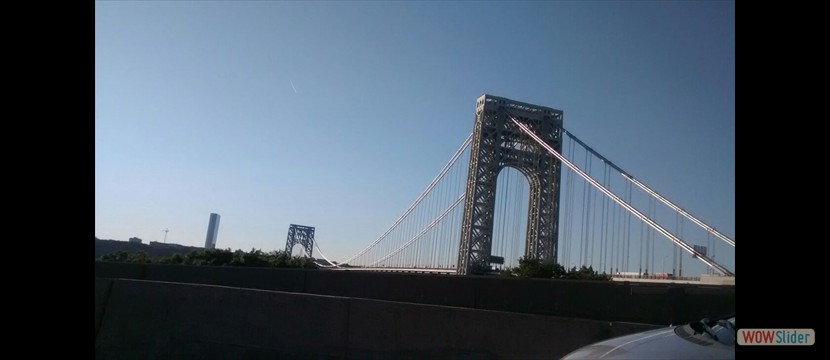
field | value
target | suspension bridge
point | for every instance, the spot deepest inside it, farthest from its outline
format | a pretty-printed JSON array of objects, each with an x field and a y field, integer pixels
[{"x": 521, "y": 185}]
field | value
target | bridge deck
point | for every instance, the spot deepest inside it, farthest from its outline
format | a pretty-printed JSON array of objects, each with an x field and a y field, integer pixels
[{"x": 407, "y": 270}]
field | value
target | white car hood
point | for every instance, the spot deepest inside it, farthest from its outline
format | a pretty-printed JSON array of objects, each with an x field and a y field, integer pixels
[{"x": 655, "y": 344}]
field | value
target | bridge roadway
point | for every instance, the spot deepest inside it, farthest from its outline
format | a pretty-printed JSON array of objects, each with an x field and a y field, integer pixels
[
  {"x": 708, "y": 280},
  {"x": 396, "y": 270}
]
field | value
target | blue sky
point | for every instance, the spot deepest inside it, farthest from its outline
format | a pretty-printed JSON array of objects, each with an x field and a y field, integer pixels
[{"x": 195, "y": 111}]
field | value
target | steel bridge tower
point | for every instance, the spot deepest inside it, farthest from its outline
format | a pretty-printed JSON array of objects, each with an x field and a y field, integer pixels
[
  {"x": 498, "y": 143},
  {"x": 300, "y": 234}
]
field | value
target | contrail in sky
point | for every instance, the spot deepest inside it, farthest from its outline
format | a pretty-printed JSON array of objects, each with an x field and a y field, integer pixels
[{"x": 292, "y": 85}]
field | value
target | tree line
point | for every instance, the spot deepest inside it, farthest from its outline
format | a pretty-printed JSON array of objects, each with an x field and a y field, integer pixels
[
  {"x": 217, "y": 257},
  {"x": 530, "y": 268},
  {"x": 535, "y": 268}
]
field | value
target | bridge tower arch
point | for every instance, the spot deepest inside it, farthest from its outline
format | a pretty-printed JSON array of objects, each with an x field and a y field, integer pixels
[
  {"x": 498, "y": 143},
  {"x": 300, "y": 234}
]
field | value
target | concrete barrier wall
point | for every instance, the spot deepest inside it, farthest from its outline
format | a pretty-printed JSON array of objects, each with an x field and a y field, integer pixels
[
  {"x": 417, "y": 288},
  {"x": 157, "y": 320},
  {"x": 102, "y": 289},
  {"x": 653, "y": 303},
  {"x": 291, "y": 280}
]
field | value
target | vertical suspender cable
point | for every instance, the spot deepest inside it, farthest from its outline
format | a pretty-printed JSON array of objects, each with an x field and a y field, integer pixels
[
  {"x": 655, "y": 194},
  {"x": 628, "y": 207}
]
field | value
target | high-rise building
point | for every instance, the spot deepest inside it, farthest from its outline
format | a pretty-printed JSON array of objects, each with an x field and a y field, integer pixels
[{"x": 213, "y": 230}]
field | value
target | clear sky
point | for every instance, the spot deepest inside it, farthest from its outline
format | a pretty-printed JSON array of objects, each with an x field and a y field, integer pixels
[{"x": 337, "y": 114}]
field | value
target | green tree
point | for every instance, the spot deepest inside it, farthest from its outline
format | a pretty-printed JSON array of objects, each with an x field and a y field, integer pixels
[
  {"x": 218, "y": 257},
  {"x": 118, "y": 256},
  {"x": 139, "y": 258},
  {"x": 536, "y": 268},
  {"x": 478, "y": 269},
  {"x": 586, "y": 273},
  {"x": 212, "y": 257},
  {"x": 303, "y": 262},
  {"x": 176, "y": 259},
  {"x": 195, "y": 258},
  {"x": 254, "y": 258}
]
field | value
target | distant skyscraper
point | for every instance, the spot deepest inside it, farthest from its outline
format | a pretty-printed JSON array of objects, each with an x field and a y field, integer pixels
[{"x": 213, "y": 230}]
